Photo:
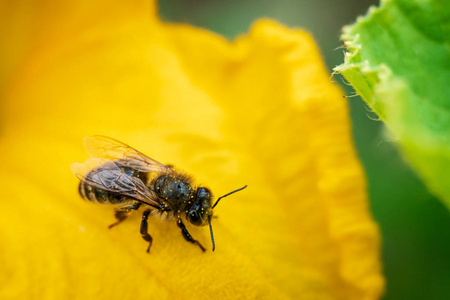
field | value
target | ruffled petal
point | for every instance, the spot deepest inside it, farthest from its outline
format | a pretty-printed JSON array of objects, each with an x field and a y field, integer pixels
[{"x": 260, "y": 111}]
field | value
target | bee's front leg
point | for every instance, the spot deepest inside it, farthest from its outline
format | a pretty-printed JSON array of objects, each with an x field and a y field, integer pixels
[{"x": 187, "y": 236}]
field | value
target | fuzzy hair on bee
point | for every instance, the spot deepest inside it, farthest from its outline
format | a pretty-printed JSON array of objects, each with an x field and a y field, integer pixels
[{"x": 119, "y": 174}]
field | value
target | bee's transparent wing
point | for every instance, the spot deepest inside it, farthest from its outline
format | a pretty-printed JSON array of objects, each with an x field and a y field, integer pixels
[
  {"x": 105, "y": 175},
  {"x": 98, "y": 146}
]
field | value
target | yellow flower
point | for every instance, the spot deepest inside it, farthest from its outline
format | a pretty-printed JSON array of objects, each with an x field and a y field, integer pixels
[{"x": 259, "y": 111}]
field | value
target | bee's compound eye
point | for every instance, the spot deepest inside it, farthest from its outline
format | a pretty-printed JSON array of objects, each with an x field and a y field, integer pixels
[{"x": 194, "y": 217}]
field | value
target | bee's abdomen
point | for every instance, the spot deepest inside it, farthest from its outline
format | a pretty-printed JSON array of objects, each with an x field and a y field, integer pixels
[
  {"x": 96, "y": 195},
  {"x": 99, "y": 196}
]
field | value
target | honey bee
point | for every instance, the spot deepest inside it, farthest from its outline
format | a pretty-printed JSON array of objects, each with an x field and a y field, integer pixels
[{"x": 119, "y": 174}]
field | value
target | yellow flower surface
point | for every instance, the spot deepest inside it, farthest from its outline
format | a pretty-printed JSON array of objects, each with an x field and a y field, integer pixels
[{"x": 260, "y": 111}]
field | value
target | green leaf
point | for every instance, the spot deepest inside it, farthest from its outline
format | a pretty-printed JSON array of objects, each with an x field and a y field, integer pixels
[{"x": 398, "y": 60}]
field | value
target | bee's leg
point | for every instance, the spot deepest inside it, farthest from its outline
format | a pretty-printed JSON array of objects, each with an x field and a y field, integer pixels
[
  {"x": 123, "y": 212},
  {"x": 187, "y": 236},
  {"x": 144, "y": 229}
]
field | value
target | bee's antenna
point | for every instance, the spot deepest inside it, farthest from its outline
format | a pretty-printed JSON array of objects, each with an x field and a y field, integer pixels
[
  {"x": 209, "y": 218},
  {"x": 227, "y": 195},
  {"x": 212, "y": 235}
]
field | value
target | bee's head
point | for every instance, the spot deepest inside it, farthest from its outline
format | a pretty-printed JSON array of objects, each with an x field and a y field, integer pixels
[{"x": 201, "y": 210}]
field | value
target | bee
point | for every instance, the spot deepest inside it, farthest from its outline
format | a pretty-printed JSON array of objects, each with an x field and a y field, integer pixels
[{"x": 119, "y": 174}]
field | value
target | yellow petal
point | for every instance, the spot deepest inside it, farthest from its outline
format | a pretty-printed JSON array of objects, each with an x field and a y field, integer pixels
[{"x": 259, "y": 111}]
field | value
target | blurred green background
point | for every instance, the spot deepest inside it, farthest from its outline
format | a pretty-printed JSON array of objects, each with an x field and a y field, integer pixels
[{"x": 414, "y": 224}]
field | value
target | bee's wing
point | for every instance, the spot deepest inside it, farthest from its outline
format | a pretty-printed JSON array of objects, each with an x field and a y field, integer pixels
[
  {"x": 105, "y": 175},
  {"x": 98, "y": 146}
]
